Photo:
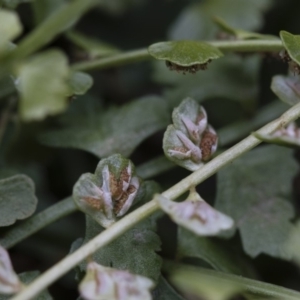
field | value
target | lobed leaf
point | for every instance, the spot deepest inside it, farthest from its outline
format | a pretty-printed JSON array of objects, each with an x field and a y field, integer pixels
[
  {"x": 184, "y": 53},
  {"x": 17, "y": 199},
  {"x": 43, "y": 85},
  {"x": 254, "y": 191},
  {"x": 117, "y": 130}
]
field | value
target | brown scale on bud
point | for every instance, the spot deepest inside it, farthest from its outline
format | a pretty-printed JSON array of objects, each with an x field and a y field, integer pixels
[
  {"x": 93, "y": 202},
  {"x": 119, "y": 203},
  {"x": 187, "y": 69},
  {"x": 207, "y": 144}
]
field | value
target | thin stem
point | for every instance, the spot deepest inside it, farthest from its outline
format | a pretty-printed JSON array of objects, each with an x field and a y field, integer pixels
[
  {"x": 181, "y": 274},
  {"x": 37, "y": 222},
  {"x": 113, "y": 61},
  {"x": 142, "y": 54},
  {"x": 52, "y": 26},
  {"x": 149, "y": 208}
]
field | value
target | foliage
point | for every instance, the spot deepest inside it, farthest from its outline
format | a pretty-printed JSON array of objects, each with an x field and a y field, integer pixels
[{"x": 201, "y": 78}]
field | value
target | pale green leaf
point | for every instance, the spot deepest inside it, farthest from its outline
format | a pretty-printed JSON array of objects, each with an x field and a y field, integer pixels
[
  {"x": 80, "y": 83},
  {"x": 10, "y": 25},
  {"x": 213, "y": 251},
  {"x": 43, "y": 85},
  {"x": 191, "y": 282},
  {"x": 291, "y": 43},
  {"x": 254, "y": 191},
  {"x": 10, "y": 28},
  {"x": 117, "y": 130},
  {"x": 17, "y": 199},
  {"x": 215, "y": 285},
  {"x": 287, "y": 88},
  {"x": 94, "y": 48},
  {"x": 293, "y": 243},
  {"x": 184, "y": 53}
]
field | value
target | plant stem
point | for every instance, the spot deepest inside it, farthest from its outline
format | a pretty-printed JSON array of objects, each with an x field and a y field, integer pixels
[
  {"x": 112, "y": 61},
  {"x": 149, "y": 208},
  {"x": 142, "y": 54},
  {"x": 37, "y": 222},
  {"x": 181, "y": 276},
  {"x": 52, "y": 26}
]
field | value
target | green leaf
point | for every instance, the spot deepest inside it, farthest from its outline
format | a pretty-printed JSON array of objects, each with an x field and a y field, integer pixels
[
  {"x": 80, "y": 83},
  {"x": 10, "y": 28},
  {"x": 164, "y": 291},
  {"x": 117, "y": 130},
  {"x": 240, "y": 33},
  {"x": 10, "y": 25},
  {"x": 27, "y": 278},
  {"x": 253, "y": 190},
  {"x": 291, "y": 43},
  {"x": 184, "y": 53},
  {"x": 134, "y": 251},
  {"x": 195, "y": 21},
  {"x": 43, "y": 85},
  {"x": 94, "y": 48},
  {"x": 17, "y": 199},
  {"x": 213, "y": 251},
  {"x": 201, "y": 280},
  {"x": 287, "y": 88},
  {"x": 191, "y": 282},
  {"x": 293, "y": 243}
]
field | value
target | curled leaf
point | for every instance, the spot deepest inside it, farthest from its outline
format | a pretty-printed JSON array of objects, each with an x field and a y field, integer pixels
[
  {"x": 289, "y": 136},
  {"x": 190, "y": 141},
  {"x": 185, "y": 56},
  {"x": 102, "y": 283},
  {"x": 291, "y": 43},
  {"x": 80, "y": 83},
  {"x": 9, "y": 281},
  {"x": 196, "y": 215},
  {"x": 110, "y": 192},
  {"x": 287, "y": 88}
]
